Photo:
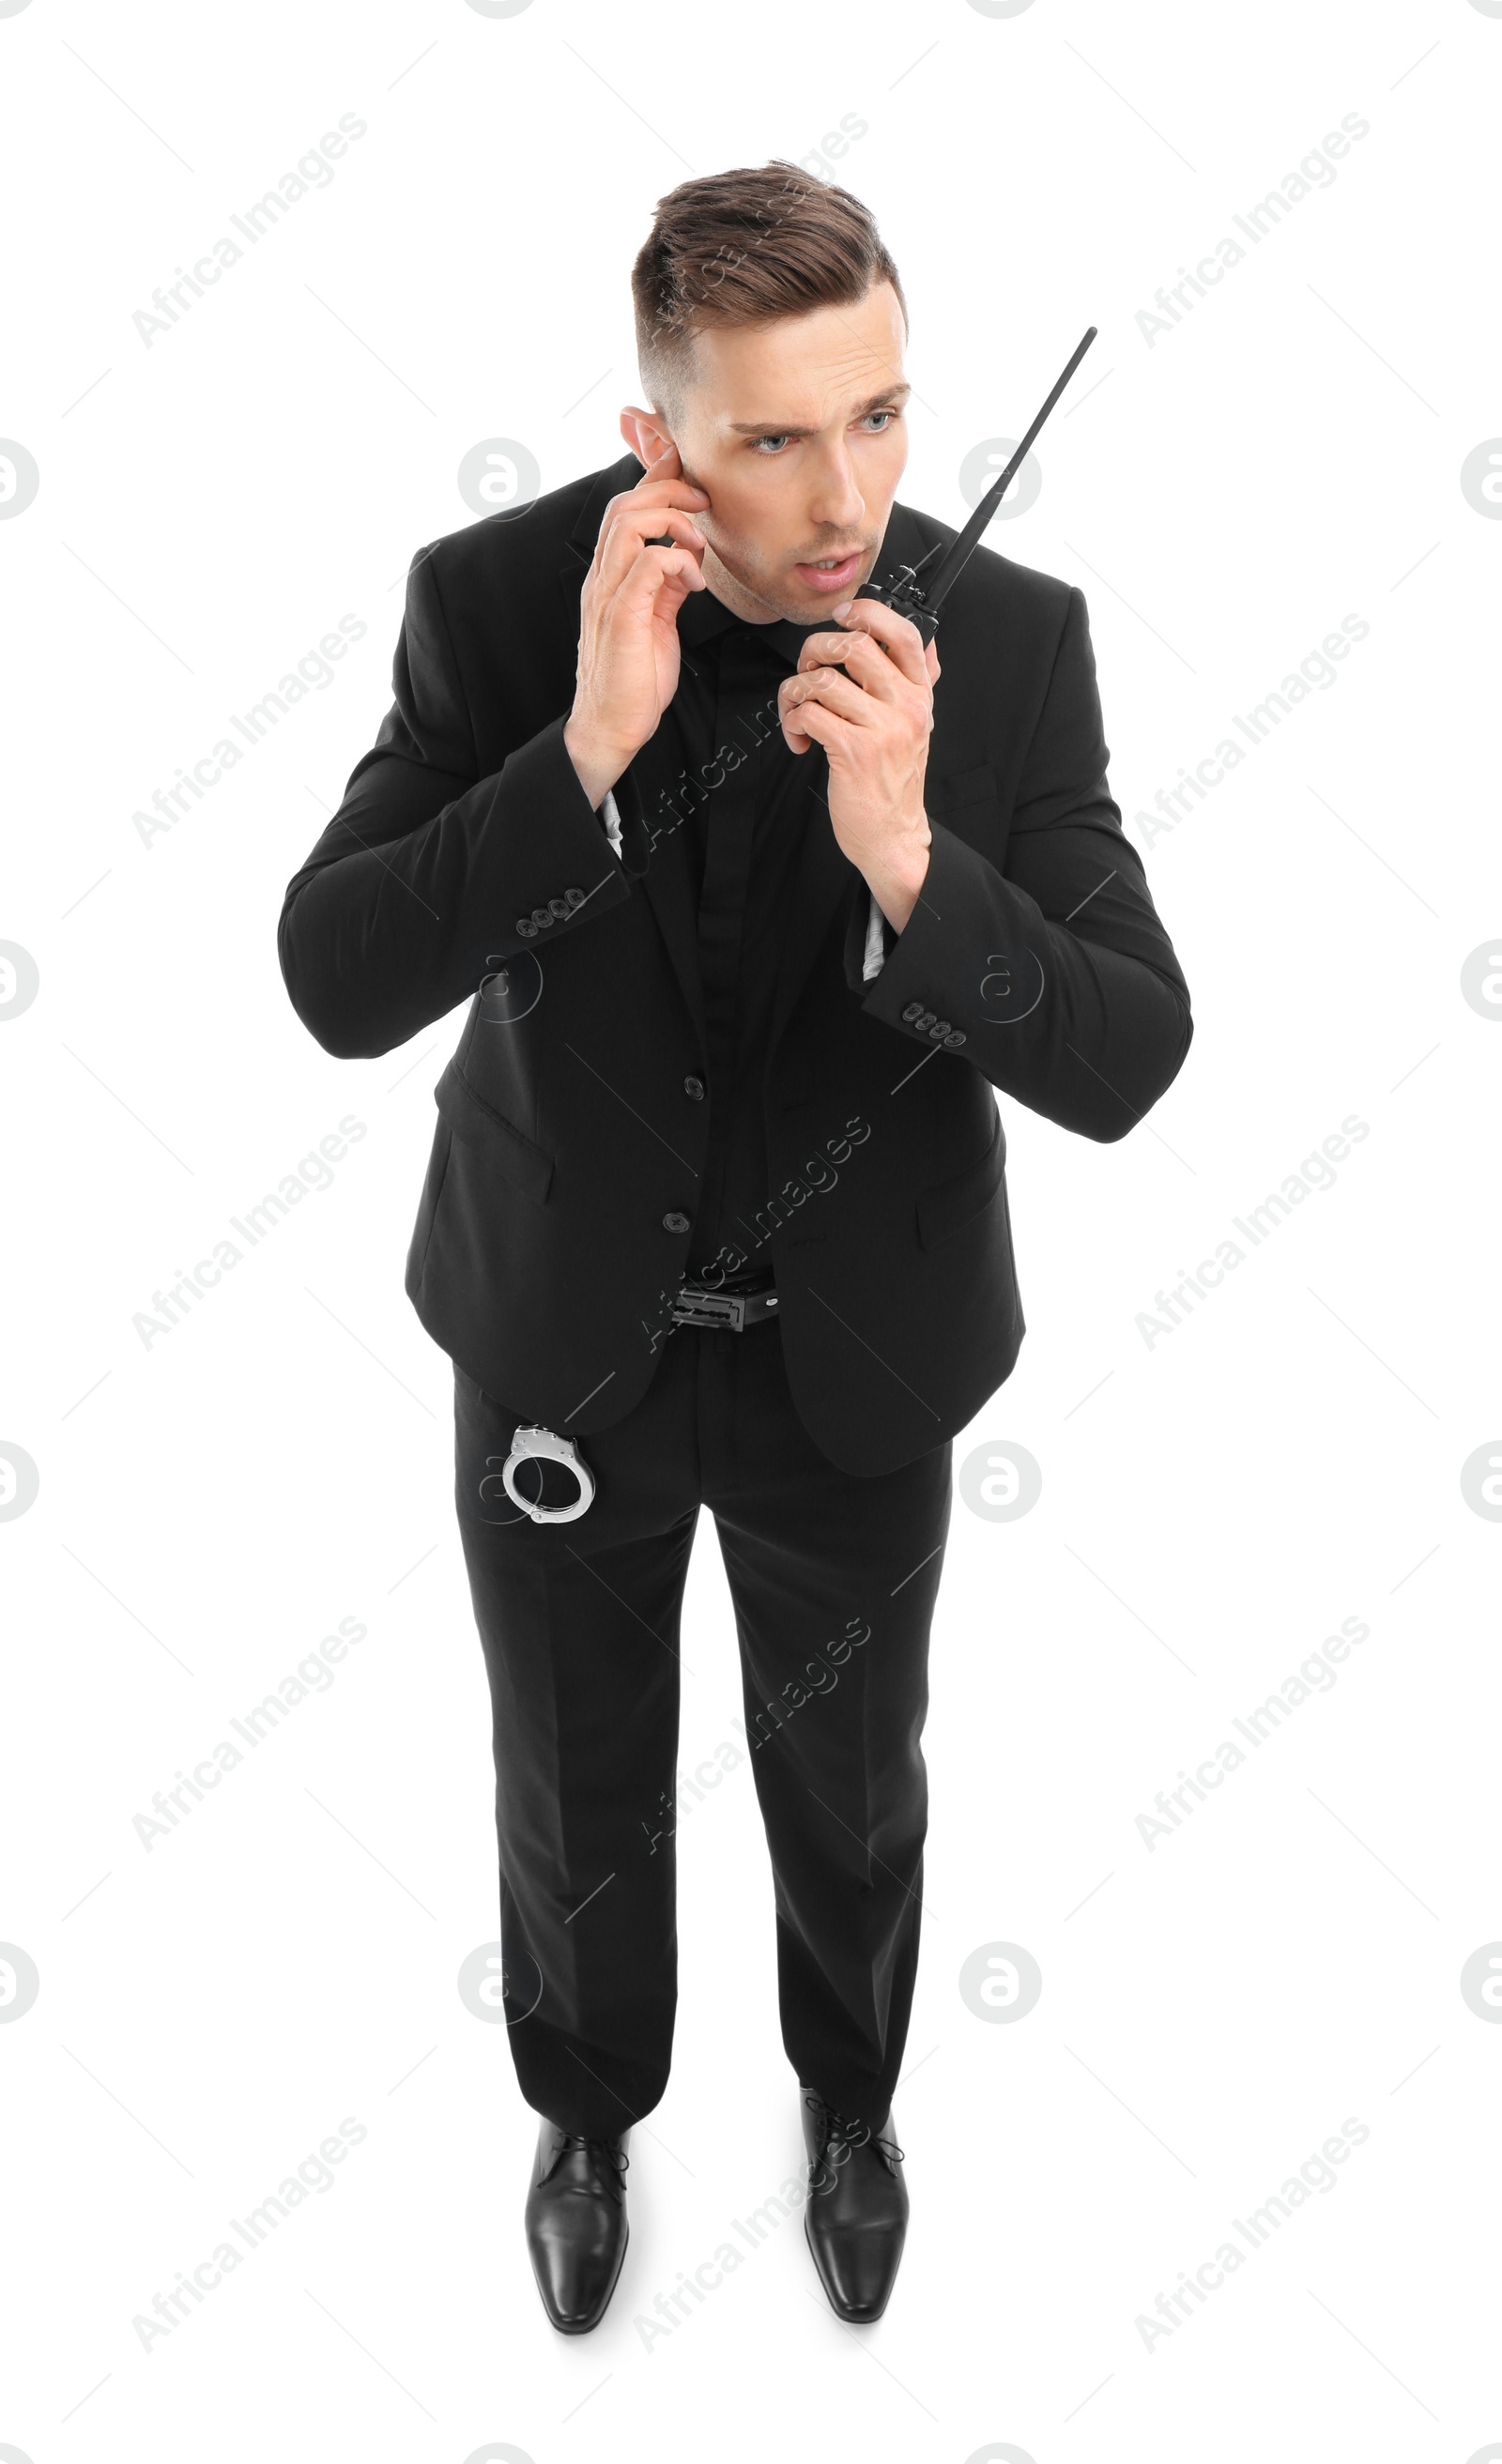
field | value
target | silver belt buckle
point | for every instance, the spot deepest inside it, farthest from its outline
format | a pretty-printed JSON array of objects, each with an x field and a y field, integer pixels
[
  {"x": 536, "y": 1441},
  {"x": 697, "y": 1307}
]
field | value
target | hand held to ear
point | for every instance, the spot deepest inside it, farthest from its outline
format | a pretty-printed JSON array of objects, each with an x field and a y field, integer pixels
[{"x": 648, "y": 558}]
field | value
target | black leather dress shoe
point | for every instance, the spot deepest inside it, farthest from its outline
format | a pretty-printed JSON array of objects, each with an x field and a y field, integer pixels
[
  {"x": 576, "y": 2224},
  {"x": 856, "y": 2216}
]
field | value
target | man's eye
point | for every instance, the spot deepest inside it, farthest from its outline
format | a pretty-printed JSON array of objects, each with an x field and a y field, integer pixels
[
  {"x": 760, "y": 441},
  {"x": 881, "y": 415}
]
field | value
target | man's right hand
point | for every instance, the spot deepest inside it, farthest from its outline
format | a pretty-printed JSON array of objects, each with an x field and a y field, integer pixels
[{"x": 629, "y": 622}]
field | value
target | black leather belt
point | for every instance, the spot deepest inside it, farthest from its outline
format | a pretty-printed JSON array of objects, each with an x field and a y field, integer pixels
[{"x": 732, "y": 1306}]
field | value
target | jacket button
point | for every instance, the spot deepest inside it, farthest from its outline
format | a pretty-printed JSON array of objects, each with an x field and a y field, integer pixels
[
  {"x": 914, "y": 1009},
  {"x": 675, "y": 1222},
  {"x": 541, "y": 917},
  {"x": 955, "y": 1036},
  {"x": 526, "y": 928},
  {"x": 557, "y": 909},
  {"x": 694, "y": 1087},
  {"x": 926, "y": 1018},
  {"x": 573, "y": 898},
  {"x": 939, "y": 1030}
]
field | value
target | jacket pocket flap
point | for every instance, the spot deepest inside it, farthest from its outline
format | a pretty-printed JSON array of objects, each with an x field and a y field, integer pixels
[
  {"x": 942, "y": 1208},
  {"x": 481, "y": 1126},
  {"x": 961, "y": 787}
]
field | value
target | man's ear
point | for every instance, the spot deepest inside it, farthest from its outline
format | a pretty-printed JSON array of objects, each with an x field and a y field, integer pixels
[{"x": 646, "y": 434}]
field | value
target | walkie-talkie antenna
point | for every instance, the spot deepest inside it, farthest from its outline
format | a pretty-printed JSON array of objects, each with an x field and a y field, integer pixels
[{"x": 921, "y": 601}]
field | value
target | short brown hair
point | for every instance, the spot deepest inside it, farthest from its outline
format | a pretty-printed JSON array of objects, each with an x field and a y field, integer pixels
[{"x": 743, "y": 248}]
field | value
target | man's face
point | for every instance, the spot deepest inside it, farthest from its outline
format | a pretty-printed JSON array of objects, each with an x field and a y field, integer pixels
[{"x": 795, "y": 433}]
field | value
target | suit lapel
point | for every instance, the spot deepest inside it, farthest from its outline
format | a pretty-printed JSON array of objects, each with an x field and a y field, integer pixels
[
  {"x": 652, "y": 835},
  {"x": 654, "y": 851}
]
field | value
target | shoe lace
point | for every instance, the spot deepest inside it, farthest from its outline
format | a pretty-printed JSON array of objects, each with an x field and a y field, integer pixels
[
  {"x": 610, "y": 2159},
  {"x": 832, "y": 2125}
]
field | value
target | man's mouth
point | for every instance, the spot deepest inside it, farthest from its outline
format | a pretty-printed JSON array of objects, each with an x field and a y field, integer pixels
[{"x": 831, "y": 573}]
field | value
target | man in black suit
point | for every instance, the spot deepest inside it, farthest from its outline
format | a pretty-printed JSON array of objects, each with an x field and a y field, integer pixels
[{"x": 751, "y": 923}]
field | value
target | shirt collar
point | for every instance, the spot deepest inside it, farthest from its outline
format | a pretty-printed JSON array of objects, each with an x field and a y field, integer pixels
[{"x": 703, "y": 618}]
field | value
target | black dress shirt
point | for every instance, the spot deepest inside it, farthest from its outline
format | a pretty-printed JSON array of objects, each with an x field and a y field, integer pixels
[{"x": 751, "y": 800}]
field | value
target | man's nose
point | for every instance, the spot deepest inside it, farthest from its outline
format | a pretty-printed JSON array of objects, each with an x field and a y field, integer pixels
[{"x": 836, "y": 503}]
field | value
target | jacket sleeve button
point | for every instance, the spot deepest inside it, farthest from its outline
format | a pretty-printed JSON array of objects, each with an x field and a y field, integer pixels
[
  {"x": 939, "y": 1030},
  {"x": 914, "y": 1009},
  {"x": 526, "y": 928},
  {"x": 926, "y": 1019},
  {"x": 541, "y": 917},
  {"x": 573, "y": 898},
  {"x": 955, "y": 1036},
  {"x": 557, "y": 909},
  {"x": 694, "y": 1087},
  {"x": 674, "y": 1222}
]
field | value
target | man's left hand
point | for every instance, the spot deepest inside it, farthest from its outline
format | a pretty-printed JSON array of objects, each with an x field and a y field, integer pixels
[{"x": 867, "y": 696}]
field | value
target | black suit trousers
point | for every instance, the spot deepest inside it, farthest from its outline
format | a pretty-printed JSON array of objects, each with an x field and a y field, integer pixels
[{"x": 833, "y": 1578}]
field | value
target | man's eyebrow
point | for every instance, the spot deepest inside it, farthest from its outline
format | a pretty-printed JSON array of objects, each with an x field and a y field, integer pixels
[{"x": 894, "y": 396}]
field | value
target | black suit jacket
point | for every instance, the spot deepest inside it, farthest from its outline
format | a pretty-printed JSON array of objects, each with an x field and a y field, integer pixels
[{"x": 466, "y": 865}]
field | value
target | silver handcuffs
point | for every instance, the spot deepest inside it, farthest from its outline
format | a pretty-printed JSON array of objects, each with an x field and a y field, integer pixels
[{"x": 538, "y": 1442}]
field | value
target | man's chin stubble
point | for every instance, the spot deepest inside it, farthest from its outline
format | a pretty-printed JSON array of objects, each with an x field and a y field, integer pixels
[{"x": 716, "y": 569}]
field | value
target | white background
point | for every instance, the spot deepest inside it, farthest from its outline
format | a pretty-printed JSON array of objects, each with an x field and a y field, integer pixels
[{"x": 1213, "y": 1505}]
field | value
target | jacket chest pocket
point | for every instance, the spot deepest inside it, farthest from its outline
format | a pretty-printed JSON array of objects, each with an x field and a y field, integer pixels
[{"x": 971, "y": 802}]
